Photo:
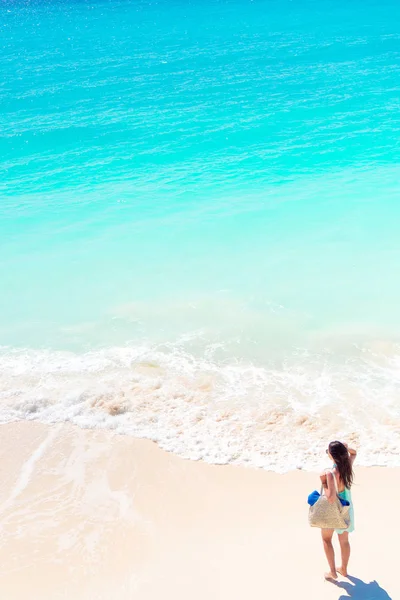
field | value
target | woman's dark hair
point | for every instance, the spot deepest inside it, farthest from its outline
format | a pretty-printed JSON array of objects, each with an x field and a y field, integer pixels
[{"x": 340, "y": 455}]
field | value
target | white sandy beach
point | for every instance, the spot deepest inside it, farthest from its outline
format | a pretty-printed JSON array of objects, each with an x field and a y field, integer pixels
[{"x": 90, "y": 515}]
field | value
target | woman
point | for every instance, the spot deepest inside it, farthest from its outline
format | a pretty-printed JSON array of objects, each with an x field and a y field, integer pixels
[{"x": 343, "y": 458}]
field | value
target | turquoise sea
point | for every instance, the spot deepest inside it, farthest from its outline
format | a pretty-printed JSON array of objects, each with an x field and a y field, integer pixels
[{"x": 199, "y": 223}]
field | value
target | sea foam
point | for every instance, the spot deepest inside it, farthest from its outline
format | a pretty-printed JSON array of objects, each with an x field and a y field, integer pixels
[{"x": 277, "y": 417}]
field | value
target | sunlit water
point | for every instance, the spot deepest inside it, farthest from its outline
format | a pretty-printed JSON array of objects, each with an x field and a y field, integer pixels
[{"x": 200, "y": 218}]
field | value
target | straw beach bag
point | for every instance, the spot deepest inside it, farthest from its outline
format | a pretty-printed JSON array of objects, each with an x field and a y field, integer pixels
[{"x": 325, "y": 515}]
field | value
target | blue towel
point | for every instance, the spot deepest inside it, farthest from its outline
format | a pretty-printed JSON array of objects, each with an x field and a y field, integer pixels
[{"x": 314, "y": 496}]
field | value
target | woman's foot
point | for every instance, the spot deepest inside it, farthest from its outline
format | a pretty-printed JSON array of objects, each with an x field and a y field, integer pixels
[
  {"x": 342, "y": 571},
  {"x": 330, "y": 576}
]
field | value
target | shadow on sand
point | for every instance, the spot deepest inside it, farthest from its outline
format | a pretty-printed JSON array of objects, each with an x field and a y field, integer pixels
[{"x": 359, "y": 590}]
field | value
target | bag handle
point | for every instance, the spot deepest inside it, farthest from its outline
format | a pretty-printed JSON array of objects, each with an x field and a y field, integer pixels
[{"x": 335, "y": 482}]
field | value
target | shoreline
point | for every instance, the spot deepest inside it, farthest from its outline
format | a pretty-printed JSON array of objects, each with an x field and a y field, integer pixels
[
  {"x": 162, "y": 448},
  {"x": 277, "y": 418},
  {"x": 93, "y": 514}
]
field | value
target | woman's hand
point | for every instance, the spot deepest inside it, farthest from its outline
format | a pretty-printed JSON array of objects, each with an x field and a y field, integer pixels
[
  {"x": 352, "y": 453},
  {"x": 350, "y": 450}
]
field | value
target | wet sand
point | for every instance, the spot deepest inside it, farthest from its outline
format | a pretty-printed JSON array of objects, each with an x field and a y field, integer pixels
[{"x": 90, "y": 515}]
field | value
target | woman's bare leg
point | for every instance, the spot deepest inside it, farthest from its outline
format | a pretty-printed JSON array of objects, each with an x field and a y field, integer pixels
[
  {"x": 330, "y": 553},
  {"x": 345, "y": 551}
]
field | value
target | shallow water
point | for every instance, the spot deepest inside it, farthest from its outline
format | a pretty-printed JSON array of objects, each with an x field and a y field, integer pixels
[{"x": 199, "y": 224}]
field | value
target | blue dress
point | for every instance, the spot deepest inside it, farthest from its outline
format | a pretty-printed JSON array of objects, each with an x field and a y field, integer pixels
[{"x": 346, "y": 495}]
